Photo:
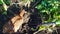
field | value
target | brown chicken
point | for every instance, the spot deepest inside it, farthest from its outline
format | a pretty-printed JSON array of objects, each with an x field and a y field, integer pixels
[{"x": 15, "y": 23}]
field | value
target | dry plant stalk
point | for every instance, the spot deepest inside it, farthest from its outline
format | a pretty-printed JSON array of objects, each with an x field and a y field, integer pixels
[{"x": 25, "y": 3}]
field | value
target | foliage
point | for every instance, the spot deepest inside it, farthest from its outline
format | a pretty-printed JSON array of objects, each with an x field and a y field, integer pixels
[
  {"x": 42, "y": 27},
  {"x": 50, "y": 27},
  {"x": 6, "y": 3},
  {"x": 3, "y": 6},
  {"x": 49, "y": 10}
]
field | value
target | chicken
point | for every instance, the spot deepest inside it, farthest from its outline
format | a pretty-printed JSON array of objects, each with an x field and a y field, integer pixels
[{"x": 16, "y": 23}]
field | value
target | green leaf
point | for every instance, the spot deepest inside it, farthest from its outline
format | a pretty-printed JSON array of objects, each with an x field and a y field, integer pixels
[
  {"x": 42, "y": 28},
  {"x": 58, "y": 22},
  {"x": 5, "y": 7},
  {"x": 1, "y": 2},
  {"x": 39, "y": 6},
  {"x": 7, "y": 2},
  {"x": 5, "y": 13}
]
